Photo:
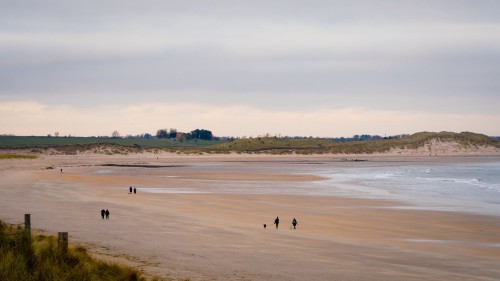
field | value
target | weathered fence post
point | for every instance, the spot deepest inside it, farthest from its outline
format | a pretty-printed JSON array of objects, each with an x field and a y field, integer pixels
[
  {"x": 27, "y": 226},
  {"x": 62, "y": 242}
]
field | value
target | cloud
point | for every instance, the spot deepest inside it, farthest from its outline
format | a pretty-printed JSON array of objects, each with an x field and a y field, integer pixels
[
  {"x": 284, "y": 65},
  {"x": 284, "y": 60},
  {"x": 371, "y": 44}
]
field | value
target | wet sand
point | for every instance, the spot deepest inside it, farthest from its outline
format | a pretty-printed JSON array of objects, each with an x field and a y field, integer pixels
[{"x": 219, "y": 235}]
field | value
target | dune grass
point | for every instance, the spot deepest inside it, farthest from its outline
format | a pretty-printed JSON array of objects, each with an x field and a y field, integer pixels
[
  {"x": 17, "y": 156},
  {"x": 41, "y": 260},
  {"x": 275, "y": 145}
]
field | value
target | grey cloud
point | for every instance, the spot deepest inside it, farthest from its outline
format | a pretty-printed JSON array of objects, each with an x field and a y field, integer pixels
[
  {"x": 216, "y": 78},
  {"x": 79, "y": 11},
  {"x": 252, "y": 52}
]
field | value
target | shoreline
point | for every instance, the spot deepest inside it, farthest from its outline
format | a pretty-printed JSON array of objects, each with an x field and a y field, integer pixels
[{"x": 216, "y": 236}]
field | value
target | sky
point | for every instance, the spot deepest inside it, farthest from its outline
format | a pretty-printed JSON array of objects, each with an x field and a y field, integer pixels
[{"x": 249, "y": 68}]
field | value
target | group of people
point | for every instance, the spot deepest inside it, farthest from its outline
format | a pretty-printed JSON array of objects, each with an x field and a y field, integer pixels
[
  {"x": 277, "y": 222},
  {"x": 105, "y": 213}
]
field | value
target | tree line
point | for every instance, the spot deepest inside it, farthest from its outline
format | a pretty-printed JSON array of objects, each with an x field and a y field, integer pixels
[
  {"x": 172, "y": 133},
  {"x": 203, "y": 134},
  {"x": 199, "y": 134}
]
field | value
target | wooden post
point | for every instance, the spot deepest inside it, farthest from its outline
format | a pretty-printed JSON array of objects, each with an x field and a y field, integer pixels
[
  {"x": 27, "y": 226},
  {"x": 62, "y": 242}
]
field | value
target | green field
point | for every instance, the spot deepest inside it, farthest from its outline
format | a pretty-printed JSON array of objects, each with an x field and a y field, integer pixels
[{"x": 18, "y": 142}]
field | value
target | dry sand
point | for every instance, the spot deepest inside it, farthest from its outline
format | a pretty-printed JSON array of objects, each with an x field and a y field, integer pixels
[{"x": 218, "y": 236}]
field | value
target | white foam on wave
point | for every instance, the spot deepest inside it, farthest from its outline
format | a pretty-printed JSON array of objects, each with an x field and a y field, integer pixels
[
  {"x": 465, "y": 183},
  {"x": 459, "y": 187}
]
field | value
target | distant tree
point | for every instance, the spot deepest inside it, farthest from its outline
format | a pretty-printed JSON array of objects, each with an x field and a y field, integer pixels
[
  {"x": 195, "y": 134},
  {"x": 147, "y": 136},
  {"x": 162, "y": 134},
  {"x": 172, "y": 134},
  {"x": 56, "y": 134},
  {"x": 206, "y": 135},
  {"x": 115, "y": 134},
  {"x": 201, "y": 134}
]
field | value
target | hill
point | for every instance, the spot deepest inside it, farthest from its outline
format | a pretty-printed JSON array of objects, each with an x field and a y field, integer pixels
[{"x": 423, "y": 142}]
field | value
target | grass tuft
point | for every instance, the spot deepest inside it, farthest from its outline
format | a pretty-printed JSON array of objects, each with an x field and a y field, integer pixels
[
  {"x": 41, "y": 260},
  {"x": 17, "y": 156}
]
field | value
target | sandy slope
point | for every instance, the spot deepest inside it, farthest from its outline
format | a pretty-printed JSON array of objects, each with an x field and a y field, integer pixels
[{"x": 216, "y": 236}]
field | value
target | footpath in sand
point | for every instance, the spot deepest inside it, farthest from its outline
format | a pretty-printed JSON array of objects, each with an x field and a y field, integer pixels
[{"x": 185, "y": 222}]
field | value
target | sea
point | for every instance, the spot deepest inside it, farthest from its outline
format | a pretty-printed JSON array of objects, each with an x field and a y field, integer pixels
[{"x": 467, "y": 187}]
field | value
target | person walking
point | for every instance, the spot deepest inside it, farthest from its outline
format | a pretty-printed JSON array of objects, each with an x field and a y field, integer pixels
[
  {"x": 130, "y": 190},
  {"x": 107, "y": 214},
  {"x": 103, "y": 213},
  {"x": 135, "y": 190},
  {"x": 294, "y": 223},
  {"x": 276, "y": 222}
]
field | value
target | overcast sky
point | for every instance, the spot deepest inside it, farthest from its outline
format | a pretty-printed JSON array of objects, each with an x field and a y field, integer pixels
[{"x": 247, "y": 68}]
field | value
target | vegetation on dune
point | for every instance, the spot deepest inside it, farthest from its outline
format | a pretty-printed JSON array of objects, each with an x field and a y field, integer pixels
[
  {"x": 41, "y": 260},
  {"x": 276, "y": 145},
  {"x": 106, "y": 146},
  {"x": 269, "y": 145},
  {"x": 17, "y": 156}
]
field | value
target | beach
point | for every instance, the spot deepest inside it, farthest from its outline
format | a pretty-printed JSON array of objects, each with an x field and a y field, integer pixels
[{"x": 201, "y": 217}]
